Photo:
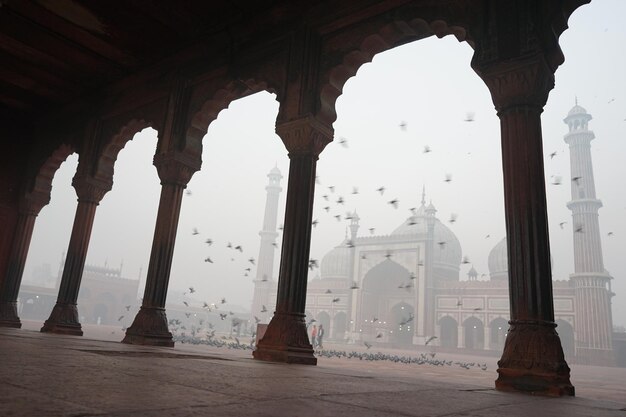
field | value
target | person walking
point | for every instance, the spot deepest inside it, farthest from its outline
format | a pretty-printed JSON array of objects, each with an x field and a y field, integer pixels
[
  {"x": 314, "y": 335},
  {"x": 320, "y": 336}
]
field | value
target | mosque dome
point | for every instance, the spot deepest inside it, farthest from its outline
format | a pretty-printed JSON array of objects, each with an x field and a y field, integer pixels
[
  {"x": 498, "y": 261},
  {"x": 447, "y": 255},
  {"x": 576, "y": 110},
  {"x": 336, "y": 263}
]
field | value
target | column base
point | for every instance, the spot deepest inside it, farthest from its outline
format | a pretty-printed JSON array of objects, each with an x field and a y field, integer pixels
[
  {"x": 149, "y": 328},
  {"x": 63, "y": 320},
  {"x": 286, "y": 340},
  {"x": 533, "y": 360},
  {"x": 8, "y": 315}
]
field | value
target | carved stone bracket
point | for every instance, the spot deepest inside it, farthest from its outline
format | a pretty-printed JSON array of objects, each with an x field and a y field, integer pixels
[
  {"x": 533, "y": 360},
  {"x": 306, "y": 135},
  {"x": 32, "y": 203},
  {"x": 149, "y": 328},
  {"x": 525, "y": 81},
  {"x": 90, "y": 189},
  {"x": 176, "y": 168},
  {"x": 286, "y": 340},
  {"x": 63, "y": 320}
]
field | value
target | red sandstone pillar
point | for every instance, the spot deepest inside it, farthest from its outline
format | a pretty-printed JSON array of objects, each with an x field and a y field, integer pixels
[
  {"x": 286, "y": 338},
  {"x": 150, "y": 326},
  {"x": 533, "y": 359},
  {"x": 30, "y": 207},
  {"x": 64, "y": 316}
]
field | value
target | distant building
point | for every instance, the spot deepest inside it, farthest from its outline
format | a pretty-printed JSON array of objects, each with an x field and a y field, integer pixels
[
  {"x": 104, "y": 295},
  {"x": 403, "y": 288}
]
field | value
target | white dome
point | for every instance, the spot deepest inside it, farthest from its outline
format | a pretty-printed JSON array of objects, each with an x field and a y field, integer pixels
[
  {"x": 498, "y": 261},
  {"x": 576, "y": 110},
  {"x": 336, "y": 263},
  {"x": 448, "y": 254}
]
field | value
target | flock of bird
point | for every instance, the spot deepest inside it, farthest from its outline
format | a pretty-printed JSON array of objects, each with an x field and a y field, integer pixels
[{"x": 423, "y": 359}]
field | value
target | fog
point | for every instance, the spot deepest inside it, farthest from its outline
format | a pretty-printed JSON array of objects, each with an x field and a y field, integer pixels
[{"x": 427, "y": 84}]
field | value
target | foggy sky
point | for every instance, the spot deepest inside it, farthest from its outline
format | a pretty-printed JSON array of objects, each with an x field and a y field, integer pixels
[{"x": 429, "y": 85}]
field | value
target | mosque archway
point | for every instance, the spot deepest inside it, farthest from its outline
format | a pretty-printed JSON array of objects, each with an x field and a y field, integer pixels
[
  {"x": 474, "y": 333},
  {"x": 100, "y": 314},
  {"x": 380, "y": 291},
  {"x": 448, "y": 332},
  {"x": 339, "y": 326},
  {"x": 498, "y": 330},
  {"x": 323, "y": 319},
  {"x": 402, "y": 324},
  {"x": 566, "y": 333}
]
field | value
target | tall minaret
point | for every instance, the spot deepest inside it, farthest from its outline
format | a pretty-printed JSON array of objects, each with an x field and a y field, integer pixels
[
  {"x": 594, "y": 324},
  {"x": 264, "y": 283}
]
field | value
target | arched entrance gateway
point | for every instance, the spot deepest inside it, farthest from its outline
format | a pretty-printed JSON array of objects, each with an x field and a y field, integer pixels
[
  {"x": 474, "y": 333},
  {"x": 386, "y": 310},
  {"x": 516, "y": 53},
  {"x": 448, "y": 330}
]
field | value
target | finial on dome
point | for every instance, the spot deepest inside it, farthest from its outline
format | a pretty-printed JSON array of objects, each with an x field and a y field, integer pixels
[
  {"x": 576, "y": 100},
  {"x": 423, "y": 195}
]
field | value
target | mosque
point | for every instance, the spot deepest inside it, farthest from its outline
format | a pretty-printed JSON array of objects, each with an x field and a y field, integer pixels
[{"x": 404, "y": 288}]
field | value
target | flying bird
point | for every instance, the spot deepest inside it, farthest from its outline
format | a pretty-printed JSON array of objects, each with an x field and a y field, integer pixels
[
  {"x": 367, "y": 345},
  {"x": 393, "y": 203},
  {"x": 336, "y": 300},
  {"x": 192, "y": 290},
  {"x": 209, "y": 242},
  {"x": 195, "y": 232},
  {"x": 562, "y": 224},
  {"x": 354, "y": 286},
  {"x": 430, "y": 339},
  {"x": 372, "y": 229},
  {"x": 340, "y": 200},
  {"x": 328, "y": 291},
  {"x": 552, "y": 155},
  {"x": 120, "y": 319},
  {"x": 263, "y": 309},
  {"x": 128, "y": 308},
  {"x": 427, "y": 149},
  {"x": 403, "y": 126},
  {"x": 453, "y": 217},
  {"x": 251, "y": 260},
  {"x": 381, "y": 190},
  {"x": 448, "y": 178},
  {"x": 209, "y": 260},
  {"x": 223, "y": 301},
  {"x": 557, "y": 180},
  {"x": 313, "y": 263},
  {"x": 465, "y": 260},
  {"x": 576, "y": 179},
  {"x": 469, "y": 117},
  {"x": 239, "y": 248},
  {"x": 343, "y": 142},
  {"x": 314, "y": 223},
  {"x": 355, "y": 190}
]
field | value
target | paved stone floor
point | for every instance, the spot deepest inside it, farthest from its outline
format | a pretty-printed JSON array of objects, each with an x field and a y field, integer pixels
[{"x": 52, "y": 375}]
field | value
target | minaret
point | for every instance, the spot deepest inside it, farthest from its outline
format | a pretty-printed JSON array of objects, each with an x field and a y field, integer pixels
[
  {"x": 264, "y": 283},
  {"x": 594, "y": 324}
]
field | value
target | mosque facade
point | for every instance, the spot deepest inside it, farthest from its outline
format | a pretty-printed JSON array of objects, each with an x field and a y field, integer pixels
[{"x": 404, "y": 288}]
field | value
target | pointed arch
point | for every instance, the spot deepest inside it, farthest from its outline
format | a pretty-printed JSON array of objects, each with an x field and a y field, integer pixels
[
  {"x": 209, "y": 100},
  {"x": 107, "y": 157},
  {"x": 388, "y": 35}
]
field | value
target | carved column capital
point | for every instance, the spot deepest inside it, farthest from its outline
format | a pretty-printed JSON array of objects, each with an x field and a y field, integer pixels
[
  {"x": 305, "y": 136},
  {"x": 524, "y": 81},
  {"x": 175, "y": 168},
  {"x": 90, "y": 189}
]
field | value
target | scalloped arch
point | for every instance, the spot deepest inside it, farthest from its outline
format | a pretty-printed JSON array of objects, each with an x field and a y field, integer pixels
[
  {"x": 42, "y": 183},
  {"x": 107, "y": 157},
  {"x": 214, "y": 104},
  {"x": 392, "y": 34}
]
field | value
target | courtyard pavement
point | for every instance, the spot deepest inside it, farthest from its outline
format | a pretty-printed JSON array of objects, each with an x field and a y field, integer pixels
[{"x": 54, "y": 375}]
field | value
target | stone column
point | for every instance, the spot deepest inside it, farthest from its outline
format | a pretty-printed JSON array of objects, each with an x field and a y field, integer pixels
[
  {"x": 30, "y": 207},
  {"x": 286, "y": 338},
  {"x": 533, "y": 359},
  {"x": 64, "y": 316},
  {"x": 461, "y": 337},
  {"x": 150, "y": 326}
]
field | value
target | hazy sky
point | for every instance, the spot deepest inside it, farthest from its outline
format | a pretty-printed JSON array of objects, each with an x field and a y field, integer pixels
[{"x": 430, "y": 85}]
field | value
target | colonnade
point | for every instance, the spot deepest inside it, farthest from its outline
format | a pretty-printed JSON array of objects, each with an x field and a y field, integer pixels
[{"x": 533, "y": 357}]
